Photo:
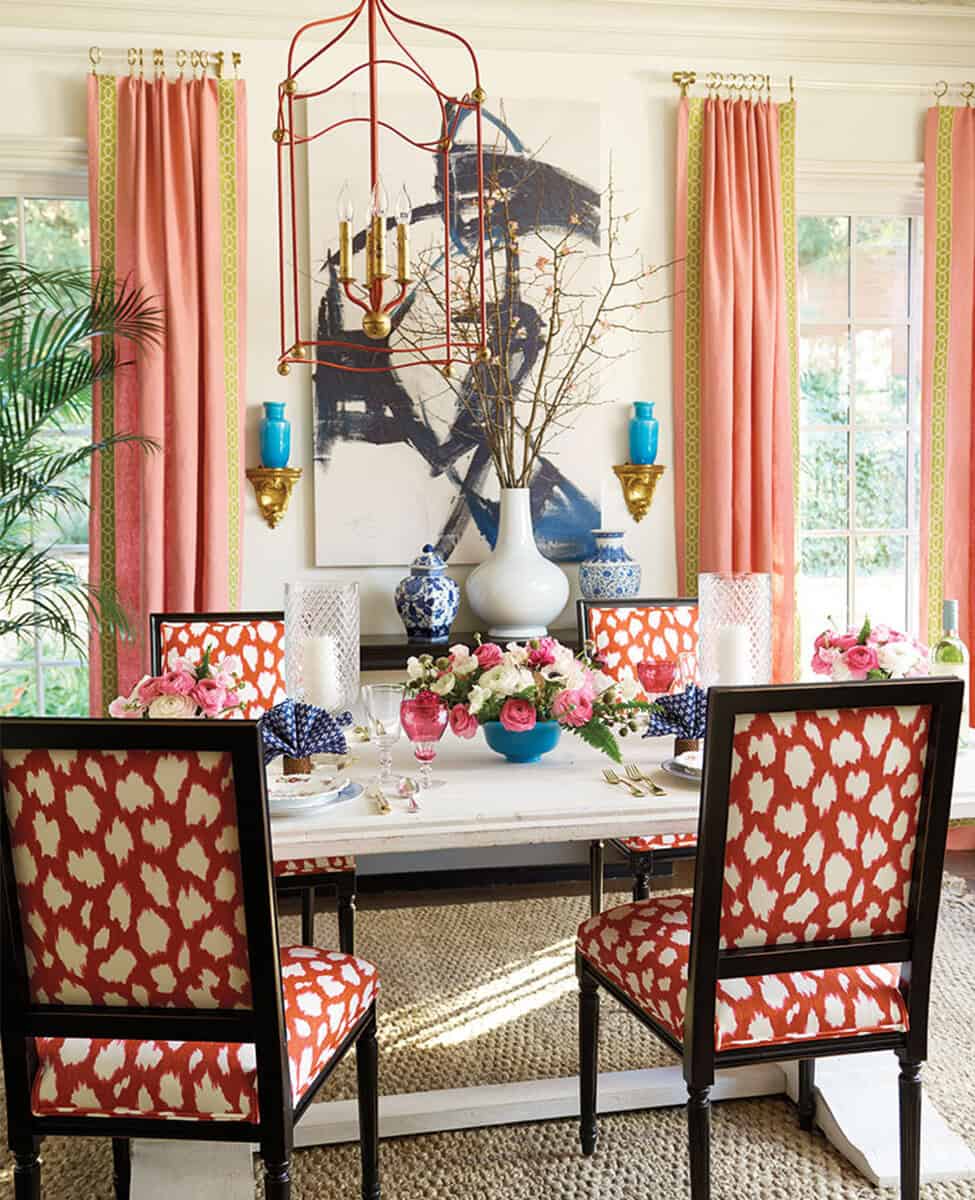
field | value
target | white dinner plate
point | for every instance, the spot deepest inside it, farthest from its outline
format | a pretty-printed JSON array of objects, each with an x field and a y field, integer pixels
[
  {"x": 681, "y": 770},
  {"x": 301, "y": 807}
]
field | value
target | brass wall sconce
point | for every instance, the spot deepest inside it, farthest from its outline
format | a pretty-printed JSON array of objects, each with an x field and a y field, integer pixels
[
  {"x": 273, "y": 487},
  {"x": 639, "y": 483}
]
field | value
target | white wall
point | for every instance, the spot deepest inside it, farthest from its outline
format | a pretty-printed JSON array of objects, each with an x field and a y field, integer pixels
[{"x": 617, "y": 54}]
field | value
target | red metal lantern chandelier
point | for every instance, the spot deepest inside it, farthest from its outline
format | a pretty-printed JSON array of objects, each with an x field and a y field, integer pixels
[{"x": 378, "y": 295}]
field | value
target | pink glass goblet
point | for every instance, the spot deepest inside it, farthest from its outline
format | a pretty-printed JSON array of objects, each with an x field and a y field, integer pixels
[
  {"x": 424, "y": 721},
  {"x": 656, "y": 678}
]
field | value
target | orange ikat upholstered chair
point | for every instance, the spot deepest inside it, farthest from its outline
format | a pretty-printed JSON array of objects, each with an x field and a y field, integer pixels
[
  {"x": 811, "y": 928},
  {"x": 144, "y": 993},
  {"x": 257, "y": 638},
  {"x": 622, "y": 634}
]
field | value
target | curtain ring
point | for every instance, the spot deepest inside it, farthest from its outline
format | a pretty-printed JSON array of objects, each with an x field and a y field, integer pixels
[
  {"x": 94, "y": 57},
  {"x": 235, "y": 58},
  {"x": 181, "y": 57},
  {"x": 941, "y": 90},
  {"x": 968, "y": 91},
  {"x": 159, "y": 62}
]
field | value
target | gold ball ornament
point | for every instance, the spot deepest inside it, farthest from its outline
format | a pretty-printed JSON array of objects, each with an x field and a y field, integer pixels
[
  {"x": 278, "y": 136},
  {"x": 284, "y": 368},
  {"x": 479, "y": 95},
  {"x": 376, "y": 325},
  {"x": 483, "y": 355},
  {"x": 290, "y": 86}
]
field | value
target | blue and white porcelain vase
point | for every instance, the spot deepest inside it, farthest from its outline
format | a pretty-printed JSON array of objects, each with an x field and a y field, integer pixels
[
  {"x": 610, "y": 574},
  {"x": 275, "y": 435},
  {"x": 644, "y": 434},
  {"x": 427, "y": 600}
]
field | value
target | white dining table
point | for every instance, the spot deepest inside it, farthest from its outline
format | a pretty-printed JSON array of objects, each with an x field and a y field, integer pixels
[{"x": 486, "y": 802}]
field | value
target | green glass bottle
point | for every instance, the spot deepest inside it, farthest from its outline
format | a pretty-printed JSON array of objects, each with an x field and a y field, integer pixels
[{"x": 950, "y": 655}]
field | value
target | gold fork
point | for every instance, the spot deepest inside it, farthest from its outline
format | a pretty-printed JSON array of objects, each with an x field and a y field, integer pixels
[
  {"x": 633, "y": 772},
  {"x": 612, "y": 777}
]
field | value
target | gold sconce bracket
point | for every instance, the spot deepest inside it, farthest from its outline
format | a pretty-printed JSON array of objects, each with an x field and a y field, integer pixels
[
  {"x": 639, "y": 484},
  {"x": 273, "y": 487}
]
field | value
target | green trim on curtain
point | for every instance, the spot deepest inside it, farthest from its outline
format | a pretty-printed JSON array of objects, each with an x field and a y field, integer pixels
[
  {"x": 230, "y": 258},
  {"x": 107, "y": 162},
  {"x": 939, "y": 380},
  {"x": 692, "y": 352}
]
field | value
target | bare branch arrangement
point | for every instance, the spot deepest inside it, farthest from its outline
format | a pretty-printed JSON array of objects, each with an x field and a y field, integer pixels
[{"x": 559, "y": 313}]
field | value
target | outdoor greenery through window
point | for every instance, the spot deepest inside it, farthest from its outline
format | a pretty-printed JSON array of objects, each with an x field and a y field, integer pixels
[
  {"x": 36, "y": 676},
  {"x": 859, "y": 477}
]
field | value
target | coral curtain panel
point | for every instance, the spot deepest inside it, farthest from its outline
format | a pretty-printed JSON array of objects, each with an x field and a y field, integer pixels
[
  {"x": 948, "y": 385},
  {"x": 735, "y": 352},
  {"x": 167, "y": 193}
]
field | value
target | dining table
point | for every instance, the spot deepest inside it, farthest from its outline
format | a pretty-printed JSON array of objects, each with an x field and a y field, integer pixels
[{"x": 485, "y": 801}]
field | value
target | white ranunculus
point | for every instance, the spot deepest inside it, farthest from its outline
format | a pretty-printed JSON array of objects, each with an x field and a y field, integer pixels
[
  {"x": 515, "y": 655},
  {"x": 506, "y": 680},
  {"x": 465, "y": 666},
  {"x": 628, "y": 687},
  {"x": 477, "y": 698},
  {"x": 443, "y": 685},
  {"x": 172, "y": 707},
  {"x": 459, "y": 652},
  {"x": 602, "y": 682},
  {"x": 841, "y": 672},
  {"x": 897, "y": 657},
  {"x": 414, "y": 668}
]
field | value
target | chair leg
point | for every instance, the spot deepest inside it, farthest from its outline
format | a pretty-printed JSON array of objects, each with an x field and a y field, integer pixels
[
  {"x": 367, "y": 1073},
  {"x": 27, "y": 1171},
  {"x": 588, "y": 1061},
  {"x": 346, "y": 905},
  {"x": 910, "y": 1121},
  {"x": 641, "y": 885},
  {"x": 596, "y": 870},
  {"x": 277, "y": 1179},
  {"x": 308, "y": 916},
  {"x": 699, "y": 1141},
  {"x": 122, "y": 1167},
  {"x": 807, "y": 1093}
]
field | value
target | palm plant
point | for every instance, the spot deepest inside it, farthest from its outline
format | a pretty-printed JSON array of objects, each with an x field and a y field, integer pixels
[{"x": 60, "y": 333}]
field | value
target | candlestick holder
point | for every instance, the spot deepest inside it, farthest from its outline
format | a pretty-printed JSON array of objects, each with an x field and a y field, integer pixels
[{"x": 321, "y": 654}]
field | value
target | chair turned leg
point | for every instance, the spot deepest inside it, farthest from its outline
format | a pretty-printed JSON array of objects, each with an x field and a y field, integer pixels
[
  {"x": 308, "y": 916},
  {"x": 596, "y": 869},
  {"x": 807, "y": 1093},
  {"x": 27, "y": 1173},
  {"x": 367, "y": 1073},
  {"x": 277, "y": 1179},
  {"x": 347, "y": 923},
  {"x": 641, "y": 885},
  {"x": 910, "y": 1120},
  {"x": 699, "y": 1141},
  {"x": 588, "y": 1061},
  {"x": 122, "y": 1167}
]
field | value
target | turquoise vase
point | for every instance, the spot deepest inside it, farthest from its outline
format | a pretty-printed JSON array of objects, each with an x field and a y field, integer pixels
[
  {"x": 526, "y": 747},
  {"x": 644, "y": 432},
  {"x": 275, "y": 435}
]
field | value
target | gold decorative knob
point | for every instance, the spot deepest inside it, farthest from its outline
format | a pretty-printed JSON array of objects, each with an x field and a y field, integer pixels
[{"x": 376, "y": 325}]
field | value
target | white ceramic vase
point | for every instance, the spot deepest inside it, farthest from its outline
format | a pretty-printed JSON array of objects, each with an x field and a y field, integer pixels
[{"x": 517, "y": 591}]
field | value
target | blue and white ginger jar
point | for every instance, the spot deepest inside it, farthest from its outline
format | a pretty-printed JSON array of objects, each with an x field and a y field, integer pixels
[
  {"x": 427, "y": 600},
  {"x": 610, "y": 574}
]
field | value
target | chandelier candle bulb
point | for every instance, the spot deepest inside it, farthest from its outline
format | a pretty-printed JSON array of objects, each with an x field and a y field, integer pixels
[
  {"x": 379, "y": 247},
  {"x": 345, "y": 251},
  {"x": 320, "y": 673},
  {"x": 403, "y": 252}
]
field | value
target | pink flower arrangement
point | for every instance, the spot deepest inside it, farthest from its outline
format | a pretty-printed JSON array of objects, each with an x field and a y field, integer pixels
[
  {"x": 186, "y": 690},
  {"x": 870, "y": 652}
]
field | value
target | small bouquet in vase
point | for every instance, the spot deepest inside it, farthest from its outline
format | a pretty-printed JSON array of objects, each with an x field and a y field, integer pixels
[
  {"x": 870, "y": 652},
  {"x": 204, "y": 689}
]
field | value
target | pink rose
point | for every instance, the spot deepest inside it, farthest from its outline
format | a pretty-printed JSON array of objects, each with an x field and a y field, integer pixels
[
  {"x": 861, "y": 659},
  {"x": 881, "y": 634},
  {"x": 542, "y": 654},
  {"x": 572, "y": 707},
  {"x": 843, "y": 641},
  {"x": 176, "y": 683},
  {"x": 147, "y": 689},
  {"x": 210, "y": 696},
  {"x": 823, "y": 659},
  {"x": 462, "y": 721},
  {"x": 231, "y": 700},
  {"x": 518, "y": 716},
  {"x": 488, "y": 655}
]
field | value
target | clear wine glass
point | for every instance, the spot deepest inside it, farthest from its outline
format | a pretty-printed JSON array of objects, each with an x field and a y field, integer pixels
[
  {"x": 382, "y": 703},
  {"x": 425, "y": 719}
]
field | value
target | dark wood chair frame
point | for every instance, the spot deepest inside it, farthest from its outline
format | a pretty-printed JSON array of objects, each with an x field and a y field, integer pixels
[
  {"x": 708, "y": 963},
  {"x": 649, "y": 864},
  {"x": 341, "y": 884},
  {"x": 263, "y": 1025}
]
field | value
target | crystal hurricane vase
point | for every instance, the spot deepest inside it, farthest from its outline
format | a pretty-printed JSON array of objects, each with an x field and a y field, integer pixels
[
  {"x": 321, "y": 647},
  {"x": 735, "y": 622}
]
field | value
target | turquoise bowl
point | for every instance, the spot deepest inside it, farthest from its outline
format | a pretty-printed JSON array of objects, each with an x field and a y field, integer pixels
[{"x": 527, "y": 747}]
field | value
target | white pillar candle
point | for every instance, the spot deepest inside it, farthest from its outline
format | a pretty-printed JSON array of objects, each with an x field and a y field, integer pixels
[
  {"x": 734, "y": 655},
  {"x": 320, "y": 673}
]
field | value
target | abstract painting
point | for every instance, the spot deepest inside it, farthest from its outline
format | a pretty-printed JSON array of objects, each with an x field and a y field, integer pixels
[{"x": 398, "y": 460}]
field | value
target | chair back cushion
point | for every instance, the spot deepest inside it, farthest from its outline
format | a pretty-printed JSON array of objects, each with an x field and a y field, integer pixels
[
  {"x": 128, "y": 877},
  {"x": 258, "y": 643},
  {"x": 626, "y": 635},
  {"x": 822, "y": 823}
]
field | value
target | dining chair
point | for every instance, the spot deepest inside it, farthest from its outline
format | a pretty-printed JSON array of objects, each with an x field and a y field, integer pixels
[
  {"x": 144, "y": 992},
  {"x": 622, "y": 633},
  {"x": 811, "y": 928},
  {"x": 257, "y": 638}
]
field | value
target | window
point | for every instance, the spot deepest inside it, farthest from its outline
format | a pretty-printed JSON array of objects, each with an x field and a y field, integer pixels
[
  {"x": 36, "y": 678},
  {"x": 859, "y": 470}
]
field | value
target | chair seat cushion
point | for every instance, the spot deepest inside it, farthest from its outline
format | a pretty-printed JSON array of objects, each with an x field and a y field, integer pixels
[
  {"x": 657, "y": 841},
  {"x": 336, "y": 863},
  {"x": 643, "y": 949},
  {"x": 325, "y": 994}
]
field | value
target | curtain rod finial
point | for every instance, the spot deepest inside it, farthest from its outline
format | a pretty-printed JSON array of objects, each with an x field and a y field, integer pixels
[{"x": 684, "y": 79}]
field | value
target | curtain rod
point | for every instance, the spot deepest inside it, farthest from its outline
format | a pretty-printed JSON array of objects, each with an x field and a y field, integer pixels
[
  {"x": 749, "y": 81},
  {"x": 198, "y": 60}
]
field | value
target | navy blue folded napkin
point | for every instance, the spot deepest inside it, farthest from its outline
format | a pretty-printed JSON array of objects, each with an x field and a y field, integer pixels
[
  {"x": 684, "y": 714},
  {"x": 298, "y": 729}
]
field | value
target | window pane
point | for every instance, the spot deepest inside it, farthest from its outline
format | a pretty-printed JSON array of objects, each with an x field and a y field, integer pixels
[
  {"x": 822, "y": 592},
  {"x": 824, "y": 480},
  {"x": 881, "y": 580},
  {"x": 882, "y": 365},
  {"x": 880, "y": 289},
  {"x": 18, "y": 697},
  {"x": 67, "y": 524},
  {"x": 8, "y": 221},
  {"x": 824, "y": 268},
  {"x": 66, "y": 691},
  {"x": 51, "y": 644},
  {"x": 56, "y": 233},
  {"x": 881, "y": 480},
  {"x": 824, "y": 376}
]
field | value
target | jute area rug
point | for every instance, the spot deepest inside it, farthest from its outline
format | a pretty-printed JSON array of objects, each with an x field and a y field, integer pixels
[{"x": 485, "y": 992}]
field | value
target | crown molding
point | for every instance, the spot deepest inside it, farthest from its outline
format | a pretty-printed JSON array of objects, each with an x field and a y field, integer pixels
[{"x": 42, "y": 155}]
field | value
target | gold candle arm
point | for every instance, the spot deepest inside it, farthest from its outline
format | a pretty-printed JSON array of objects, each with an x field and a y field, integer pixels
[
  {"x": 370, "y": 258},
  {"x": 403, "y": 253},
  {"x": 379, "y": 247},
  {"x": 345, "y": 252}
]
